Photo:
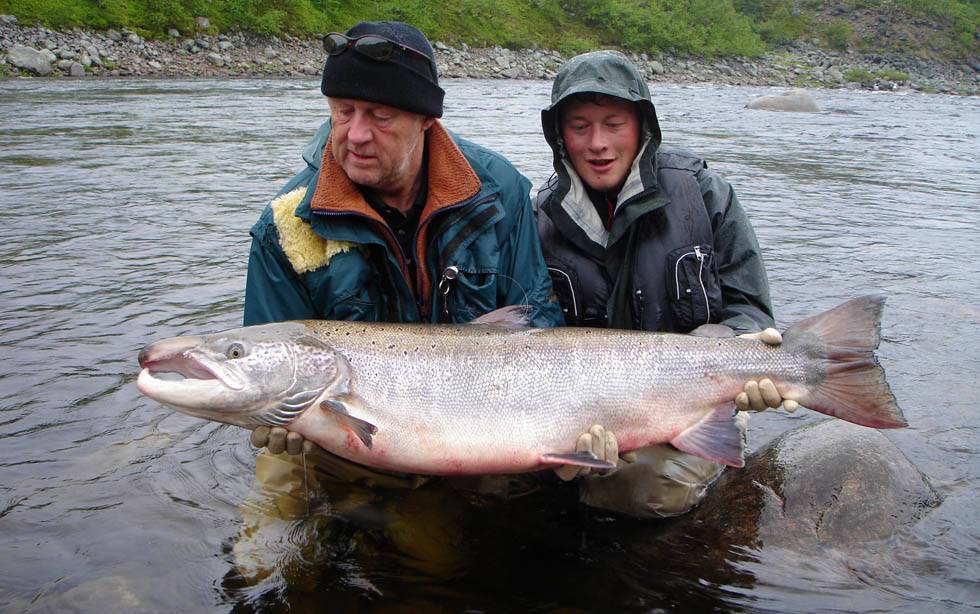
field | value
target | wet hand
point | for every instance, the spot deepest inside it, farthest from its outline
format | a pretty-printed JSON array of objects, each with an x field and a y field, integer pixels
[
  {"x": 769, "y": 336},
  {"x": 278, "y": 440},
  {"x": 758, "y": 395},
  {"x": 600, "y": 442}
]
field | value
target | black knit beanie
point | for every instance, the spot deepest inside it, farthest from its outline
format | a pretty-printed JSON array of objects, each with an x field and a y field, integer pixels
[{"x": 406, "y": 80}]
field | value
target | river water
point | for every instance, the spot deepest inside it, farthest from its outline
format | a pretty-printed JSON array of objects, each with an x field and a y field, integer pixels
[{"x": 124, "y": 216}]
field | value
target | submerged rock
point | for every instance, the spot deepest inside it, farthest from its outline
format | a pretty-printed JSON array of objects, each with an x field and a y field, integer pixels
[
  {"x": 830, "y": 484},
  {"x": 796, "y": 100},
  {"x": 830, "y": 494}
]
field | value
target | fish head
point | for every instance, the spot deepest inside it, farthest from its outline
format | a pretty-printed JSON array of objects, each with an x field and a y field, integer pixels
[{"x": 252, "y": 376}]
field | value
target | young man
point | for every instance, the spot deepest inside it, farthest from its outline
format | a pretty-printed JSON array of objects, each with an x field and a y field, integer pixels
[{"x": 641, "y": 237}]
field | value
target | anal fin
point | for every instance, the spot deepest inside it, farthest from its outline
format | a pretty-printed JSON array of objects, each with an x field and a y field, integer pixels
[
  {"x": 341, "y": 407},
  {"x": 579, "y": 459},
  {"x": 716, "y": 437}
]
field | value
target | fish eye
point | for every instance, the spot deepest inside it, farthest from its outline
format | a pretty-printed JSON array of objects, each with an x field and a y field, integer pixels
[{"x": 235, "y": 350}]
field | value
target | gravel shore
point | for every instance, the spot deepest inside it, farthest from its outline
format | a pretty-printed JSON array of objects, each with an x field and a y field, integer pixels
[{"x": 36, "y": 51}]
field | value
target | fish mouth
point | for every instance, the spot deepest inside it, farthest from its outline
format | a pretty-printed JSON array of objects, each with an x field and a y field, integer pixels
[
  {"x": 194, "y": 380},
  {"x": 186, "y": 393},
  {"x": 177, "y": 356}
]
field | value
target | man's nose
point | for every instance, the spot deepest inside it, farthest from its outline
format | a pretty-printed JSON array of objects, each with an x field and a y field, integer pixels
[
  {"x": 359, "y": 130},
  {"x": 597, "y": 139}
]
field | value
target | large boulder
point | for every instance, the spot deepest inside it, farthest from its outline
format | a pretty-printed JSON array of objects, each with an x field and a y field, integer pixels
[
  {"x": 829, "y": 484},
  {"x": 26, "y": 58},
  {"x": 824, "y": 500},
  {"x": 796, "y": 100}
]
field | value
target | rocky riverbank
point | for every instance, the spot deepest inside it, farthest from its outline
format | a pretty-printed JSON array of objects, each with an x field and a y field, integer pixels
[{"x": 36, "y": 51}]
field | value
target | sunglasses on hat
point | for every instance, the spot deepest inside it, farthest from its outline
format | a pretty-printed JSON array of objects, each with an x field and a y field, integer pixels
[{"x": 370, "y": 45}]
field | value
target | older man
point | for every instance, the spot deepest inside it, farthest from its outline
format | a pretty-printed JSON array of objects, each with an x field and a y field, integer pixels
[{"x": 393, "y": 219}]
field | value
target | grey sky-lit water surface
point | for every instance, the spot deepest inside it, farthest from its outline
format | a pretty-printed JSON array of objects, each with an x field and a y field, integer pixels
[{"x": 125, "y": 214}]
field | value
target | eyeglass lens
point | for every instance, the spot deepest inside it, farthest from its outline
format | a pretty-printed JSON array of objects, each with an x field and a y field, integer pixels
[{"x": 374, "y": 47}]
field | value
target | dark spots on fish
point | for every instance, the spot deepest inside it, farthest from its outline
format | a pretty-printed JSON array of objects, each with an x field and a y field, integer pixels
[
  {"x": 391, "y": 346},
  {"x": 433, "y": 346}
]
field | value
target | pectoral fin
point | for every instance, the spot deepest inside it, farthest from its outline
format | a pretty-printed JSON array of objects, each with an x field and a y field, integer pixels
[
  {"x": 342, "y": 407},
  {"x": 716, "y": 437},
  {"x": 579, "y": 459}
]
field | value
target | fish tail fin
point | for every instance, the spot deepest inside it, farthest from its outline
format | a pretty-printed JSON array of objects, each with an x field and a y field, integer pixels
[{"x": 854, "y": 386}]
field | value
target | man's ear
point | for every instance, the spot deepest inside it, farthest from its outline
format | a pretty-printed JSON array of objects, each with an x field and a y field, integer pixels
[{"x": 427, "y": 123}]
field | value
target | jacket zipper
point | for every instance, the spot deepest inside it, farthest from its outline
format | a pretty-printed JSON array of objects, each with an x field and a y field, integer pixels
[
  {"x": 677, "y": 281},
  {"x": 640, "y": 306}
]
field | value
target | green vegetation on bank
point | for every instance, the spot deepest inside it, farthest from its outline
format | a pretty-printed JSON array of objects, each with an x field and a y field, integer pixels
[{"x": 700, "y": 27}]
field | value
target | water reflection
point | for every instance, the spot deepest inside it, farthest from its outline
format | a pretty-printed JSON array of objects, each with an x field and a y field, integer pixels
[{"x": 124, "y": 218}]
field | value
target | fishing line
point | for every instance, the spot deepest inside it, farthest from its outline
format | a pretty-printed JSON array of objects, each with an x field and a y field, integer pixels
[
  {"x": 527, "y": 297},
  {"x": 306, "y": 483},
  {"x": 450, "y": 273}
]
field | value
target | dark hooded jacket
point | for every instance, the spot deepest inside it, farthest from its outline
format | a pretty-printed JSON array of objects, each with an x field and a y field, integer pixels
[{"x": 680, "y": 251}]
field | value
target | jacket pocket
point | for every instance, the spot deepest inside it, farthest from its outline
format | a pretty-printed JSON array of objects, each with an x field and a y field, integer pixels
[
  {"x": 468, "y": 294},
  {"x": 348, "y": 289},
  {"x": 693, "y": 286}
]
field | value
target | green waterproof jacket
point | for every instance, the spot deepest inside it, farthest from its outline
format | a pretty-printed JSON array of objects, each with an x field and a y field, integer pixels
[{"x": 319, "y": 251}]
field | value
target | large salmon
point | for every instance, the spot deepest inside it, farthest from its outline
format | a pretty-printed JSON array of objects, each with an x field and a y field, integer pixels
[{"x": 485, "y": 398}]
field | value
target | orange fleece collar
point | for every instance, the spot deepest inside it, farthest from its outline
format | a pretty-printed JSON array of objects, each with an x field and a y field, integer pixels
[{"x": 451, "y": 180}]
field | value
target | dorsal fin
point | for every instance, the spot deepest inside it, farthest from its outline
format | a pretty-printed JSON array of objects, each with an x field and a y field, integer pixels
[{"x": 511, "y": 316}]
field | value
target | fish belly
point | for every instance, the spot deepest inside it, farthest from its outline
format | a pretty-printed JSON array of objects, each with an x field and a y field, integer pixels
[{"x": 497, "y": 401}]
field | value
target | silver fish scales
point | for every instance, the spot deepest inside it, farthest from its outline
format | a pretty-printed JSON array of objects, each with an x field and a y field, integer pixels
[{"x": 488, "y": 398}]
